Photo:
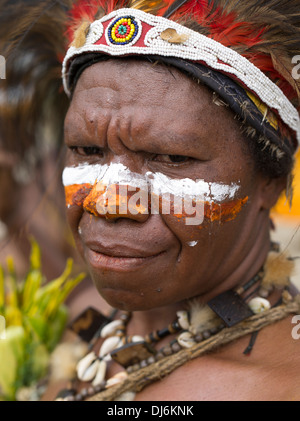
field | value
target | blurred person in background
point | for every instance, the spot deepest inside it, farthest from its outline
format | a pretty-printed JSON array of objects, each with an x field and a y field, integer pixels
[{"x": 32, "y": 110}]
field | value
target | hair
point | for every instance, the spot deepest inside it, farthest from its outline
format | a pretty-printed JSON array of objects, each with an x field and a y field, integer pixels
[{"x": 31, "y": 99}]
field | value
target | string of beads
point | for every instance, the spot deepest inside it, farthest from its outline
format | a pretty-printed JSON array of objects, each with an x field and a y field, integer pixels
[{"x": 136, "y": 352}]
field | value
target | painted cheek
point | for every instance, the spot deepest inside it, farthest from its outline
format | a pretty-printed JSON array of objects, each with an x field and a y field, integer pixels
[
  {"x": 226, "y": 211},
  {"x": 215, "y": 212}
]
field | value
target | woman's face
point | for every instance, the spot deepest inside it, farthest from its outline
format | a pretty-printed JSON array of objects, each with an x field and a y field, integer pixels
[{"x": 156, "y": 124}]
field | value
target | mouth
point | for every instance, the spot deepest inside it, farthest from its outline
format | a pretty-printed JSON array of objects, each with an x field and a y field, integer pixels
[{"x": 119, "y": 257}]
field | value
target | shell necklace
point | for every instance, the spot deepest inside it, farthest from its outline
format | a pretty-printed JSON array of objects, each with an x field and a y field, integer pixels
[{"x": 191, "y": 326}]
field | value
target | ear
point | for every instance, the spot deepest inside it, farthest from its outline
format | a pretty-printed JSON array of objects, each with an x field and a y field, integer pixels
[{"x": 271, "y": 189}]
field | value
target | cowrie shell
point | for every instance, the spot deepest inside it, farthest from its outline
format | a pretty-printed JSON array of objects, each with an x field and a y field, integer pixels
[
  {"x": 118, "y": 378},
  {"x": 84, "y": 364},
  {"x": 183, "y": 319},
  {"x": 259, "y": 304},
  {"x": 109, "y": 344},
  {"x": 110, "y": 328},
  {"x": 90, "y": 372},
  {"x": 87, "y": 367},
  {"x": 185, "y": 339},
  {"x": 100, "y": 375}
]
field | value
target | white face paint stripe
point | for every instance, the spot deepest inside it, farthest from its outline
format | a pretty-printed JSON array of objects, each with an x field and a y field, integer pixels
[{"x": 159, "y": 183}]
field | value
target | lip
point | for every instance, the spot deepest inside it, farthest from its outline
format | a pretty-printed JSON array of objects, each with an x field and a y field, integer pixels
[{"x": 119, "y": 257}]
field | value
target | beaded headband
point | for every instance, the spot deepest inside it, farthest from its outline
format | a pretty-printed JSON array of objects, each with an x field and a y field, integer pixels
[{"x": 130, "y": 32}]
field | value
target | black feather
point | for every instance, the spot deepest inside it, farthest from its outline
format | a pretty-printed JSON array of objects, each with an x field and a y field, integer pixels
[{"x": 174, "y": 6}]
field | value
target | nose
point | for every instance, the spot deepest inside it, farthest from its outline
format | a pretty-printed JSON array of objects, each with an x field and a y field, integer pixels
[{"x": 116, "y": 201}]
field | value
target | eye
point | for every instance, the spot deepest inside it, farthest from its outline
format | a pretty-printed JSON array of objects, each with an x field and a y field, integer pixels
[
  {"x": 171, "y": 159},
  {"x": 86, "y": 150}
]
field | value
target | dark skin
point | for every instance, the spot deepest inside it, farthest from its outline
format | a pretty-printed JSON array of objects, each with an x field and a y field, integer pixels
[{"x": 142, "y": 122}]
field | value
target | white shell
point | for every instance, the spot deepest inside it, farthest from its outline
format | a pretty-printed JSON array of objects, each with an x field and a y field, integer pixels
[
  {"x": 107, "y": 358},
  {"x": 110, "y": 328},
  {"x": 137, "y": 338},
  {"x": 259, "y": 304},
  {"x": 183, "y": 319},
  {"x": 86, "y": 372},
  {"x": 100, "y": 375},
  {"x": 85, "y": 363},
  {"x": 91, "y": 372},
  {"x": 118, "y": 378},
  {"x": 109, "y": 344},
  {"x": 185, "y": 339}
]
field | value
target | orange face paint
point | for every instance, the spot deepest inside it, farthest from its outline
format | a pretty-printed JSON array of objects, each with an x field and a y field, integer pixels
[
  {"x": 110, "y": 202},
  {"x": 225, "y": 211},
  {"x": 76, "y": 193}
]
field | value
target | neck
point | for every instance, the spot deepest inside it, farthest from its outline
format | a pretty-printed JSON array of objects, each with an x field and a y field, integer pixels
[
  {"x": 243, "y": 259},
  {"x": 143, "y": 322},
  {"x": 248, "y": 267}
]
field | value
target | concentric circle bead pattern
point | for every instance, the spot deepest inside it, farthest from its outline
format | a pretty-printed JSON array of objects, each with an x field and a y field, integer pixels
[{"x": 123, "y": 30}]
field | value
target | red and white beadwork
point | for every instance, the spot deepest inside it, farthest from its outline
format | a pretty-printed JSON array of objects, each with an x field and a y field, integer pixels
[{"x": 140, "y": 34}]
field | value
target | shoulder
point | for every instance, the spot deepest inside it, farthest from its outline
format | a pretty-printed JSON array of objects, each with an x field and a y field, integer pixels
[{"x": 270, "y": 372}]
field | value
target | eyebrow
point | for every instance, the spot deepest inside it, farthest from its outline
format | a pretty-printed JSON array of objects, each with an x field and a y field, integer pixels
[
  {"x": 186, "y": 145},
  {"x": 191, "y": 142}
]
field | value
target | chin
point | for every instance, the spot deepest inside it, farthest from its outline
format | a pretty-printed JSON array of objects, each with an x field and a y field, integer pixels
[
  {"x": 124, "y": 300},
  {"x": 131, "y": 300}
]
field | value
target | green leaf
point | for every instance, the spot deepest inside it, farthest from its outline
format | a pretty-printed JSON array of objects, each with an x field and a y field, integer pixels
[
  {"x": 35, "y": 256},
  {"x": 31, "y": 286},
  {"x": 12, "y": 357},
  {"x": 40, "y": 325},
  {"x": 39, "y": 312},
  {"x": 56, "y": 328}
]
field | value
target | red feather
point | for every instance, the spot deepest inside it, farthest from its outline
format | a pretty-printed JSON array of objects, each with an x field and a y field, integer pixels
[
  {"x": 219, "y": 24},
  {"x": 223, "y": 27}
]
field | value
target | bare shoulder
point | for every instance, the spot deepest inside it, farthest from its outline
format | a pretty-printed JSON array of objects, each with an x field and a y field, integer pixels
[{"x": 270, "y": 373}]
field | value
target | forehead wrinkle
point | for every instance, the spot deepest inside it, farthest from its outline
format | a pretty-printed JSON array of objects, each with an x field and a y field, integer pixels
[
  {"x": 82, "y": 119},
  {"x": 151, "y": 76},
  {"x": 153, "y": 131},
  {"x": 145, "y": 105}
]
